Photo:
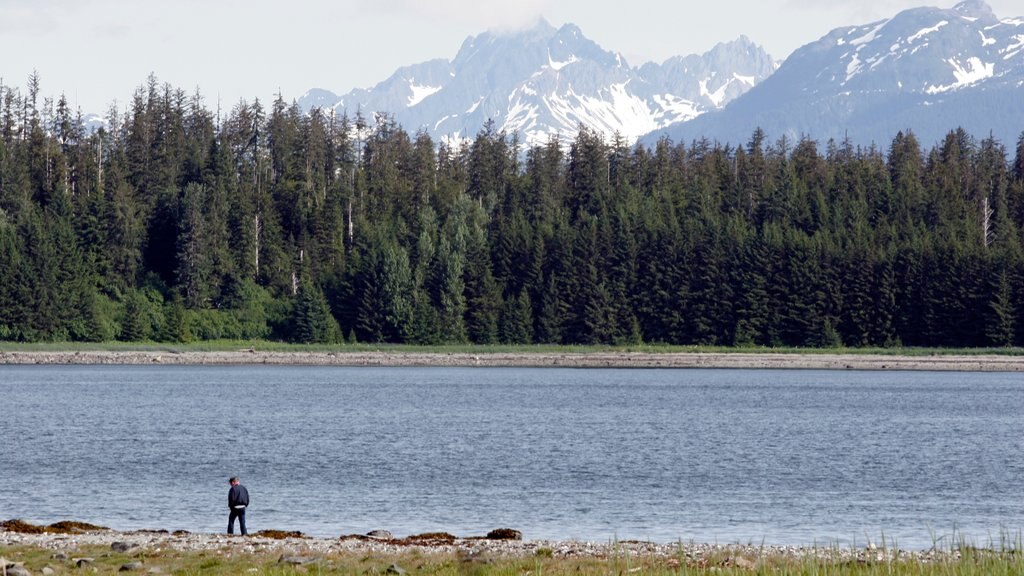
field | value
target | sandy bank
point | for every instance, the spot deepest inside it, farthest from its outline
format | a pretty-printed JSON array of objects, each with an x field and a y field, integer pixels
[{"x": 986, "y": 363}]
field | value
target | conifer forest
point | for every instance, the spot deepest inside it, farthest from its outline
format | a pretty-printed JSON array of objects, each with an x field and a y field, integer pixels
[{"x": 176, "y": 223}]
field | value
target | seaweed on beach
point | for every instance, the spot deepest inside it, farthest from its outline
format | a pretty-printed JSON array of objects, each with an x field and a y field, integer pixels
[
  {"x": 62, "y": 527},
  {"x": 73, "y": 527},
  {"x": 280, "y": 534},
  {"x": 22, "y": 527},
  {"x": 431, "y": 538}
]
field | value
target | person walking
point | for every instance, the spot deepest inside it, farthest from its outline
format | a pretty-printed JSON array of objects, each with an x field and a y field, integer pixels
[{"x": 238, "y": 499}]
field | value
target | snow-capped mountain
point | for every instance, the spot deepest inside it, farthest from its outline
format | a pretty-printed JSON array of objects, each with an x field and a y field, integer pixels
[
  {"x": 93, "y": 122},
  {"x": 929, "y": 70},
  {"x": 545, "y": 81}
]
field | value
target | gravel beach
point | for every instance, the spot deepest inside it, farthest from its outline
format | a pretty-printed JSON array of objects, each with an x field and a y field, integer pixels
[
  {"x": 156, "y": 541},
  {"x": 824, "y": 361}
]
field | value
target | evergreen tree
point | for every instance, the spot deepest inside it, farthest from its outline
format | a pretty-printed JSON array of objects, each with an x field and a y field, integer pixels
[
  {"x": 385, "y": 308},
  {"x": 1000, "y": 321},
  {"x": 195, "y": 269},
  {"x": 312, "y": 319},
  {"x": 517, "y": 320}
]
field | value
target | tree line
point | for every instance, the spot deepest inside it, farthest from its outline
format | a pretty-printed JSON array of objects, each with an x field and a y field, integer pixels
[{"x": 177, "y": 223}]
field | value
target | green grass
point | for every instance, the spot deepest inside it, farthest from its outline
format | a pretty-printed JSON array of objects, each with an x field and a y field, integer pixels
[
  {"x": 230, "y": 560},
  {"x": 270, "y": 346}
]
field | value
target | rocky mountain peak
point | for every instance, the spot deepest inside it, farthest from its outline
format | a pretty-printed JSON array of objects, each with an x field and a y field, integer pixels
[
  {"x": 975, "y": 9},
  {"x": 543, "y": 81}
]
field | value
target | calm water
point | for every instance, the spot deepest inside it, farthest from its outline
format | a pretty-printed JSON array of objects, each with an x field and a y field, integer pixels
[{"x": 710, "y": 455}]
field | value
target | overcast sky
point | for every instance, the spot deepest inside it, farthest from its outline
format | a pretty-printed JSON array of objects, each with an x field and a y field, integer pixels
[{"x": 99, "y": 51}]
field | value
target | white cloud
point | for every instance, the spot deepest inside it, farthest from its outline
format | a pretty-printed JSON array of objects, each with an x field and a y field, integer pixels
[
  {"x": 493, "y": 14},
  {"x": 27, "y": 18}
]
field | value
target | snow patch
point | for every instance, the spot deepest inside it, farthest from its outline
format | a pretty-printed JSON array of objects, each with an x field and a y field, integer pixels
[
  {"x": 870, "y": 35},
  {"x": 556, "y": 66},
  {"x": 748, "y": 80},
  {"x": 852, "y": 68},
  {"x": 986, "y": 41},
  {"x": 473, "y": 108},
  {"x": 521, "y": 118},
  {"x": 675, "y": 109},
  {"x": 1015, "y": 47},
  {"x": 716, "y": 97},
  {"x": 420, "y": 92},
  {"x": 614, "y": 110},
  {"x": 974, "y": 70},
  {"x": 926, "y": 31},
  {"x": 1013, "y": 22}
]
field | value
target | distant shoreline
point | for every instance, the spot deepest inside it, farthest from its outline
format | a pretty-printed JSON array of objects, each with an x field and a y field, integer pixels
[{"x": 766, "y": 360}]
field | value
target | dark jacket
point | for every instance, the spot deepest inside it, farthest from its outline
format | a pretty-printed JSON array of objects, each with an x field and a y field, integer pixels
[{"x": 238, "y": 496}]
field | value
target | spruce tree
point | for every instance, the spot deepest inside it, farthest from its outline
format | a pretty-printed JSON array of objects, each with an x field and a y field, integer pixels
[{"x": 311, "y": 317}]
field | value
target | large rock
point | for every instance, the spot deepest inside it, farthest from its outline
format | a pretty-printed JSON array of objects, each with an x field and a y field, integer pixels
[
  {"x": 297, "y": 560},
  {"x": 121, "y": 546},
  {"x": 15, "y": 569},
  {"x": 131, "y": 566},
  {"x": 380, "y": 535}
]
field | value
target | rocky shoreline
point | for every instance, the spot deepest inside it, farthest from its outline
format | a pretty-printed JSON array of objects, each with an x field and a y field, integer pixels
[
  {"x": 767, "y": 360},
  {"x": 299, "y": 547}
]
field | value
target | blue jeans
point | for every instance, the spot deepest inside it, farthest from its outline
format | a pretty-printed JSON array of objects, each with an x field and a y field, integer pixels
[{"x": 240, "y": 514}]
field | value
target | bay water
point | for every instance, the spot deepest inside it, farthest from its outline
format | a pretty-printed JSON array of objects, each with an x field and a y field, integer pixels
[{"x": 779, "y": 457}]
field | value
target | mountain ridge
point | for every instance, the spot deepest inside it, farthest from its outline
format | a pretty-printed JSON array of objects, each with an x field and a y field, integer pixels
[
  {"x": 544, "y": 82},
  {"x": 928, "y": 70}
]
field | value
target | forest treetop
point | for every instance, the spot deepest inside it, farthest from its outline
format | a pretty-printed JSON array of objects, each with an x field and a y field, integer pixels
[{"x": 178, "y": 223}]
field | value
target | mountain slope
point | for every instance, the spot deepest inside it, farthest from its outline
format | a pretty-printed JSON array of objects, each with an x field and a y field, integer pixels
[
  {"x": 543, "y": 82},
  {"x": 926, "y": 69}
]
